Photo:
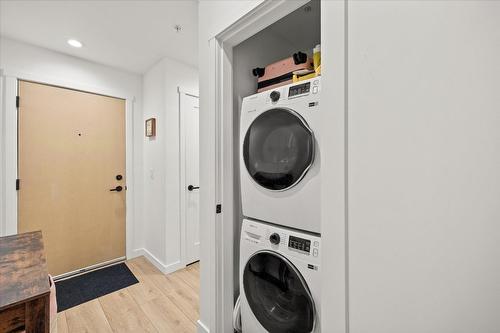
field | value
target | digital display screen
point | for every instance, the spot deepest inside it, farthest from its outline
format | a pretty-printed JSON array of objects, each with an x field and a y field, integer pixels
[
  {"x": 299, "y": 244},
  {"x": 299, "y": 89}
]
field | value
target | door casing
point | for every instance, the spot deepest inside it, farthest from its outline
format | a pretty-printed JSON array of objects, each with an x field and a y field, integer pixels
[{"x": 9, "y": 216}]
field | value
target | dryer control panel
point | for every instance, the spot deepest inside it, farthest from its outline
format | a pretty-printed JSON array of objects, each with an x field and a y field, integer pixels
[
  {"x": 300, "y": 244},
  {"x": 299, "y": 89}
]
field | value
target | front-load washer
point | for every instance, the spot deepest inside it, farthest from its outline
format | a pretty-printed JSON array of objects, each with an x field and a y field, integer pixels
[
  {"x": 280, "y": 156},
  {"x": 279, "y": 279}
]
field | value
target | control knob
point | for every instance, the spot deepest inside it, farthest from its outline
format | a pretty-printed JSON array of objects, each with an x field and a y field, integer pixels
[
  {"x": 274, "y": 239},
  {"x": 275, "y": 96}
]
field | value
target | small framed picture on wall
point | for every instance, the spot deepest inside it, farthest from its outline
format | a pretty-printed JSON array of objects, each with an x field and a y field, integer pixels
[{"x": 151, "y": 127}]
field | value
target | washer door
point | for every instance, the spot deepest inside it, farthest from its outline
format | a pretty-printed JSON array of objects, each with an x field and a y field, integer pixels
[
  {"x": 278, "y": 149},
  {"x": 277, "y": 294}
]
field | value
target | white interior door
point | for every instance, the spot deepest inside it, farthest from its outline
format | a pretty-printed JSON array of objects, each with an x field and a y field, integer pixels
[{"x": 189, "y": 107}]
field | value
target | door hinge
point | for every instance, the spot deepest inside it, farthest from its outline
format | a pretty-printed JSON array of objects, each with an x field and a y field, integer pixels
[
  {"x": 17, "y": 101},
  {"x": 218, "y": 209},
  {"x": 18, "y": 184}
]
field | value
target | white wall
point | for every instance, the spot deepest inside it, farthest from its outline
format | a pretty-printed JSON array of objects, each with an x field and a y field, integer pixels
[
  {"x": 214, "y": 17},
  {"x": 34, "y": 61},
  {"x": 161, "y": 223},
  {"x": 420, "y": 221},
  {"x": 156, "y": 232},
  {"x": 333, "y": 182},
  {"x": 424, "y": 166}
]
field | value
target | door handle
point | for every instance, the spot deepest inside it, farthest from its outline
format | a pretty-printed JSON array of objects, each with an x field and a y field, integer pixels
[
  {"x": 117, "y": 189},
  {"x": 191, "y": 187}
]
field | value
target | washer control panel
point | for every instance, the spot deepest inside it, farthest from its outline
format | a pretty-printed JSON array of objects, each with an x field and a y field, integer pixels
[{"x": 300, "y": 244}]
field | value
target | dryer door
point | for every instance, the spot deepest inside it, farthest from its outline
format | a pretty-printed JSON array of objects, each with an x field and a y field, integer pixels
[
  {"x": 278, "y": 149},
  {"x": 277, "y": 294}
]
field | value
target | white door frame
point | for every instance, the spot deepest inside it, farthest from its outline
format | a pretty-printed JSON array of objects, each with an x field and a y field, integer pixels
[
  {"x": 8, "y": 217},
  {"x": 183, "y": 184},
  {"x": 217, "y": 172}
]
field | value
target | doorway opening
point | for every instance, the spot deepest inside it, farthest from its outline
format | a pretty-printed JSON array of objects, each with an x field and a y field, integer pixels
[
  {"x": 223, "y": 105},
  {"x": 190, "y": 171}
]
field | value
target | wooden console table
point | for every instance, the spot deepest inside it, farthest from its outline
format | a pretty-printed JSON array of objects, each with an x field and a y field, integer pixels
[{"x": 24, "y": 284}]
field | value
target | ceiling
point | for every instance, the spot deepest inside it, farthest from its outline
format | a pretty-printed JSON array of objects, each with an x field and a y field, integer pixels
[
  {"x": 130, "y": 35},
  {"x": 302, "y": 27}
]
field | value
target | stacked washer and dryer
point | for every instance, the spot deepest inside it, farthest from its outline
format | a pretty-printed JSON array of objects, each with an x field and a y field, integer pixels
[{"x": 280, "y": 244}]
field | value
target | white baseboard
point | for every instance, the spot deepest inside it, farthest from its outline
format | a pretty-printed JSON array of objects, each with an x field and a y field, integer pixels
[
  {"x": 165, "y": 269},
  {"x": 135, "y": 253},
  {"x": 202, "y": 328}
]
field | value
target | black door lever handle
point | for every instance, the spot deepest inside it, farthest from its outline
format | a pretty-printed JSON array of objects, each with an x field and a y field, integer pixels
[
  {"x": 117, "y": 189},
  {"x": 191, "y": 187}
]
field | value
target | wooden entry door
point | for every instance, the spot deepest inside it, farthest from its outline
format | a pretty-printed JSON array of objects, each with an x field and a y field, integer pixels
[
  {"x": 71, "y": 155},
  {"x": 189, "y": 108}
]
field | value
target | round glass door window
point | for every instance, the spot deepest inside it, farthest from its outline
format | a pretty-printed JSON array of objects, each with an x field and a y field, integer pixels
[
  {"x": 277, "y": 294},
  {"x": 278, "y": 149}
]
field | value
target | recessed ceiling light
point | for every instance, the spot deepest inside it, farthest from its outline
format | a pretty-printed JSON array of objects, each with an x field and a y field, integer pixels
[{"x": 75, "y": 43}]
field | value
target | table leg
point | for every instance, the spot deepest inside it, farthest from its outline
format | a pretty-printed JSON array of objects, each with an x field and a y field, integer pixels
[{"x": 38, "y": 315}]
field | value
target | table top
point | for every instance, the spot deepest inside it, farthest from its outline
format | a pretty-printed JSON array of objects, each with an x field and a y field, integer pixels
[{"x": 23, "y": 269}]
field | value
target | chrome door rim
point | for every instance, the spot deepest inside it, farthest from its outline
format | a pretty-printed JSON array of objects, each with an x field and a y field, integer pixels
[
  {"x": 296, "y": 271},
  {"x": 308, "y": 128}
]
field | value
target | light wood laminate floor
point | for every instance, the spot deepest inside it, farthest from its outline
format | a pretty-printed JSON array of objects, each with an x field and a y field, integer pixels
[{"x": 158, "y": 303}]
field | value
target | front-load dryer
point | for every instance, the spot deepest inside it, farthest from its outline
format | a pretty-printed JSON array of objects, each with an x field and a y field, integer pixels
[
  {"x": 280, "y": 155},
  {"x": 280, "y": 286}
]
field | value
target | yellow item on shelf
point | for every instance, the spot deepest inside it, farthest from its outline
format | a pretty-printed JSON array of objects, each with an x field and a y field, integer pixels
[
  {"x": 297, "y": 78},
  {"x": 317, "y": 56},
  {"x": 318, "y": 70}
]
